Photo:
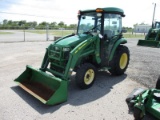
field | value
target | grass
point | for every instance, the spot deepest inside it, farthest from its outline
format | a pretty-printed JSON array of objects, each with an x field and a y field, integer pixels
[
  {"x": 129, "y": 35},
  {"x": 52, "y": 32},
  {"x": 4, "y": 33},
  {"x": 36, "y": 31},
  {"x": 67, "y": 32}
]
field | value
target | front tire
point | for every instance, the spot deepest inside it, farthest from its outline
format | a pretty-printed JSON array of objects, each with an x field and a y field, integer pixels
[
  {"x": 120, "y": 61},
  {"x": 85, "y": 76}
]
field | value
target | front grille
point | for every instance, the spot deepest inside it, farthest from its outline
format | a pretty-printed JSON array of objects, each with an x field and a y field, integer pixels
[
  {"x": 58, "y": 58},
  {"x": 55, "y": 52}
]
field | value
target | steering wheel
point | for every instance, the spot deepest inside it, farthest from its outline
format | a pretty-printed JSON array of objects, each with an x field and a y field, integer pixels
[{"x": 92, "y": 29}]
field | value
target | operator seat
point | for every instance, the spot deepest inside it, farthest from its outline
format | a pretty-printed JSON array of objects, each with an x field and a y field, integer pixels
[{"x": 109, "y": 34}]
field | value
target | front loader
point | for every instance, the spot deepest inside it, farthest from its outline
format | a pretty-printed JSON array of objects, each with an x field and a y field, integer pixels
[
  {"x": 152, "y": 38},
  {"x": 97, "y": 45}
]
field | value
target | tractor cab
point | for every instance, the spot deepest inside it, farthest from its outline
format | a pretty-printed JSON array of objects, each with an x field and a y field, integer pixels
[
  {"x": 157, "y": 25},
  {"x": 106, "y": 21}
]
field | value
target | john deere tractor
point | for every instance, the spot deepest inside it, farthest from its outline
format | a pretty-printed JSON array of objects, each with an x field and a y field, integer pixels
[
  {"x": 97, "y": 45},
  {"x": 152, "y": 38}
]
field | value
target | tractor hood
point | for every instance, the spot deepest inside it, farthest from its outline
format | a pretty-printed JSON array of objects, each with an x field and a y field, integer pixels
[
  {"x": 156, "y": 29},
  {"x": 71, "y": 41}
]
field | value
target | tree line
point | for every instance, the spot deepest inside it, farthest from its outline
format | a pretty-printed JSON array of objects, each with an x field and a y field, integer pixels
[{"x": 23, "y": 24}]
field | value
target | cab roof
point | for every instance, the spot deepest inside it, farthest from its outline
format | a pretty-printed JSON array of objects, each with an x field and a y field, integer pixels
[{"x": 107, "y": 10}]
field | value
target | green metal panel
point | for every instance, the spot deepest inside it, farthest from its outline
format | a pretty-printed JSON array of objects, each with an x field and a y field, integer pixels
[
  {"x": 153, "y": 104},
  {"x": 72, "y": 40},
  {"x": 48, "y": 89},
  {"x": 63, "y": 37},
  {"x": 154, "y": 108},
  {"x": 118, "y": 42}
]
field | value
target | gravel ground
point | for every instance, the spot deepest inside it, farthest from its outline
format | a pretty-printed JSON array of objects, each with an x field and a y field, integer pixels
[
  {"x": 144, "y": 64},
  {"x": 105, "y": 100}
]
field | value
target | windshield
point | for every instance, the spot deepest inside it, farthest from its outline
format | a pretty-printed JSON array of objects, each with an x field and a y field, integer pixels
[
  {"x": 157, "y": 25},
  {"x": 88, "y": 21}
]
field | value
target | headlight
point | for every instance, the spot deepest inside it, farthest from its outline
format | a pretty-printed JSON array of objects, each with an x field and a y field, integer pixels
[
  {"x": 56, "y": 48},
  {"x": 66, "y": 49}
]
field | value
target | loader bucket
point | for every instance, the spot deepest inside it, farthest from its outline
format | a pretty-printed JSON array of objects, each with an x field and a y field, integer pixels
[
  {"x": 149, "y": 43},
  {"x": 48, "y": 89}
]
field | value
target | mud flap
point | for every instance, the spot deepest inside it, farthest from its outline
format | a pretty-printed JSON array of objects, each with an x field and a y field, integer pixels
[
  {"x": 48, "y": 89},
  {"x": 149, "y": 43}
]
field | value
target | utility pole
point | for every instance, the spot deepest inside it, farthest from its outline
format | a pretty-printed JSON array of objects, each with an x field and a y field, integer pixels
[
  {"x": 153, "y": 14},
  {"x": 24, "y": 33},
  {"x": 47, "y": 26}
]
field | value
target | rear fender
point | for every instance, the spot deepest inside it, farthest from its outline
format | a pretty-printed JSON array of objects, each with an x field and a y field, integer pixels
[{"x": 117, "y": 43}]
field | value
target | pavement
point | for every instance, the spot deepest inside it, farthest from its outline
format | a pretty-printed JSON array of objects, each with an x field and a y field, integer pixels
[
  {"x": 103, "y": 101},
  {"x": 22, "y": 35}
]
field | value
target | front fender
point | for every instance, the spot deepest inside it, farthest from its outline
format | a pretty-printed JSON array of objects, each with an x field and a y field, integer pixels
[{"x": 118, "y": 42}]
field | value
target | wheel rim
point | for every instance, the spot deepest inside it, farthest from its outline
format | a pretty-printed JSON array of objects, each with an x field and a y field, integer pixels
[
  {"x": 89, "y": 76},
  {"x": 123, "y": 60}
]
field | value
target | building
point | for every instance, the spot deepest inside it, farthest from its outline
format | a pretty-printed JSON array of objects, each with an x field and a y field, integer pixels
[{"x": 141, "y": 28}]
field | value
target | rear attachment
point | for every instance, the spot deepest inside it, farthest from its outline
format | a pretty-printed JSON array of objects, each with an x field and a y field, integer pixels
[{"x": 48, "y": 89}]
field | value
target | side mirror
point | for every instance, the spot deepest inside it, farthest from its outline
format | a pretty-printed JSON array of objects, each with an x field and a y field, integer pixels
[{"x": 124, "y": 30}]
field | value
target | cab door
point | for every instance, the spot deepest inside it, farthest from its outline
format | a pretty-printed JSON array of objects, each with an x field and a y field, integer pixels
[{"x": 112, "y": 28}]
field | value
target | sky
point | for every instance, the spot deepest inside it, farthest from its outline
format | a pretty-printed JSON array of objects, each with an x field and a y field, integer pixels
[{"x": 136, "y": 11}]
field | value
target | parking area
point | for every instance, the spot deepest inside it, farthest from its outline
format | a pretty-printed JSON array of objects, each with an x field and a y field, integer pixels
[{"x": 105, "y": 100}]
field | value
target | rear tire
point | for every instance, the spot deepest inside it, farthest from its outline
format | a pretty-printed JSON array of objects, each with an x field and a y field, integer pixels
[
  {"x": 138, "y": 114},
  {"x": 120, "y": 61},
  {"x": 85, "y": 76},
  {"x": 158, "y": 83}
]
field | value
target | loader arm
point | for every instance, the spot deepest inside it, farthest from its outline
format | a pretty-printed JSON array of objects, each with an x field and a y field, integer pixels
[
  {"x": 92, "y": 48},
  {"x": 78, "y": 53}
]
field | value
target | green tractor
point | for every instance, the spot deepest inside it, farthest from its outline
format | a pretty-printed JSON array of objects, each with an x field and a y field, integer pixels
[
  {"x": 152, "y": 38},
  {"x": 97, "y": 45},
  {"x": 144, "y": 101}
]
